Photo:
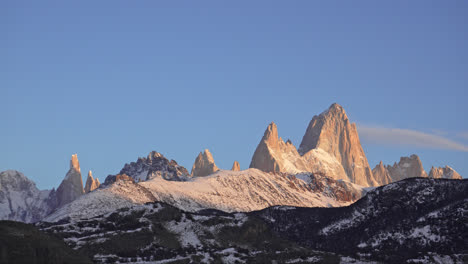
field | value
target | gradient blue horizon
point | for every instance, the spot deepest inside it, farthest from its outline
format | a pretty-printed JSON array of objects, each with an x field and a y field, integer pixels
[{"x": 114, "y": 80}]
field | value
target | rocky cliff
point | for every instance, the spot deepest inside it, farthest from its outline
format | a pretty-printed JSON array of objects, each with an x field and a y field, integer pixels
[{"x": 204, "y": 164}]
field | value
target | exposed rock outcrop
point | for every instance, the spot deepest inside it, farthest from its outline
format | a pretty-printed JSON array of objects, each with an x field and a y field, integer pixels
[
  {"x": 273, "y": 155},
  {"x": 410, "y": 167},
  {"x": 72, "y": 186},
  {"x": 444, "y": 173},
  {"x": 407, "y": 167},
  {"x": 381, "y": 174},
  {"x": 115, "y": 178},
  {"x": 204, "y": 165},
  {"x": 332, "y": 132},
  {"x": 155, "y": 165},
  {"x": 91, "y": 183},
  {"x": 235, "y": 166}
]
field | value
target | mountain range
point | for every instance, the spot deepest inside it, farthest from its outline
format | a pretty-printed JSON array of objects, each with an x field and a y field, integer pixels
[{"x": 329, "y": 169}]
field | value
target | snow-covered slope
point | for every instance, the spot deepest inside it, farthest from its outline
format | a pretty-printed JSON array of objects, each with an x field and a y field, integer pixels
[
  {"x": 248, "y": 190},
  {"x": 224, "y": 190},
  {"x": 20, "y": 200},
  {"x": 104, "y": 200}
]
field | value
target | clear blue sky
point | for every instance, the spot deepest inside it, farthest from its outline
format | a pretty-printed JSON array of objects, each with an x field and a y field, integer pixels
[{"x": 113, "y": 80}]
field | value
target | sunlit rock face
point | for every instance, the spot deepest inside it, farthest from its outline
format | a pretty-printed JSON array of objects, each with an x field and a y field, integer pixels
[
  {"x": 332, "y": 132},
  {"x": 330, "y": 146},
  {"x": 204, "y": 164},
  {"x": 72, "y": 186},
  {"x": 444, "y": 173},
  {"x": 91, "y": 183},
  {"x": 235, "y": 166}
]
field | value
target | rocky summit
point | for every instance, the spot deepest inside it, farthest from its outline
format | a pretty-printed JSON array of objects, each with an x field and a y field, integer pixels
[
  {"x": 444, "y": 173},
  {"x": 407, "y": 167},
  {"x": 155, "y": 165},
  {"x": 235, "y": 166},
  {"x": 332, "y": 132},
  {"x": 381, "y": 174},
  {"x": 204, "y": 164},
  {"x": 330, "y": 146},
  {"x": 274, "y": 155}
]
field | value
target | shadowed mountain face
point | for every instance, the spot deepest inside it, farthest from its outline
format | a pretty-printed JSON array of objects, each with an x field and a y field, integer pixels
[
  {"x": 20, "y": 200},
  {"x": 409, "y": 220},
  {"x": 72, "y": 186},
  {"x": 23, "y": 243}
]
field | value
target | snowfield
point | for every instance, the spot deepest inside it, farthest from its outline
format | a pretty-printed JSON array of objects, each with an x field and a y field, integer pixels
[{"x": 229, "y": 191}]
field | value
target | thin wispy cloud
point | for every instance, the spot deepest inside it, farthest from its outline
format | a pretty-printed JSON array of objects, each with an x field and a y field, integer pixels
[
  {"x": 400, "y": 136},
  {"x": 463, "y": 135}
]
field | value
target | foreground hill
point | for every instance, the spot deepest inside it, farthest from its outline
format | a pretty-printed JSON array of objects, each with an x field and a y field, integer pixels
[
  {"x": 23, "y": 243},
  {"x": 401, "y": 220},
  {"x": 414, "y": 220}
]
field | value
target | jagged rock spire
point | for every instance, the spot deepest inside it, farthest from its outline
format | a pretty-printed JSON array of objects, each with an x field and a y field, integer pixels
[
  {"x": 74, "y": 163},
  {"x": 72, "y": 186},
  {"x": 264, "y": 156},
  {"x": 381, "y": 174},
  {"x": 235, "y": 166},
  {"x": 204, "y": 164},
  {"x": 91, "y": 183}
]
